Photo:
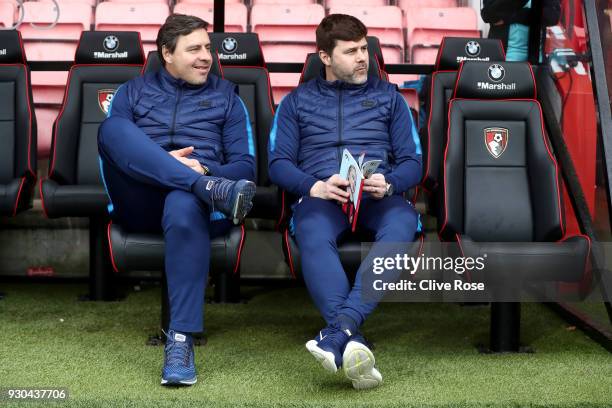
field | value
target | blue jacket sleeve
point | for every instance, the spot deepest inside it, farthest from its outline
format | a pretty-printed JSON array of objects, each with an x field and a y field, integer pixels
[
  {"x": 121, "y": 104},
  {"x": 283, "y": 148},
  {"x": 238, "y": 144},
  {"x": 406, "y": 148}
]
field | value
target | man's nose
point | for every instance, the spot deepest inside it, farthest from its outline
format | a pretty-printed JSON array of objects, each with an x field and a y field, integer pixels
[
  {"x": 205, "y": 55},
  {"x": 362, "y": 55}
]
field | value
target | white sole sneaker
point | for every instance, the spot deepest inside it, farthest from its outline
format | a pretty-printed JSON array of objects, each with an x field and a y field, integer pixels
[
  {"x": 326, "y": 358},
  {"x": 358, "y": 365},
  {"x": 182, "y": 382}
]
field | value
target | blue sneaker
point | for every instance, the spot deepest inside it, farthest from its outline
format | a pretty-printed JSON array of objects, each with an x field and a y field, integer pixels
[
  {"x": 327, "y": 347},
  {"x": 232, "y": 198},
  {"x": 179, "y": 365},
  {"x": 358, "y": 364}
]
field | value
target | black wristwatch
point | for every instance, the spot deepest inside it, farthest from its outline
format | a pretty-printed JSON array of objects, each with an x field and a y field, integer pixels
[{"x": 389, "y": 190}]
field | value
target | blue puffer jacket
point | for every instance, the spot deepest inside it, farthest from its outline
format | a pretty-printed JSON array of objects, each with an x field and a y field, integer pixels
[
  {"x": 319, "y": 119},
  {"x": 212, "y": 118}
]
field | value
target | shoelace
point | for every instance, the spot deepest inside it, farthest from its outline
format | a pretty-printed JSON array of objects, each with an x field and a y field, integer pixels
[
  {"x": 176, "y": 352},
  {"x": 221, "y": 189},
  {"x": 335, "y": 336}
]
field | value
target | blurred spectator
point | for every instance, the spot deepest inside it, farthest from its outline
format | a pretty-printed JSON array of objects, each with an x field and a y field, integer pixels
[{"x": 509, "y": 20}]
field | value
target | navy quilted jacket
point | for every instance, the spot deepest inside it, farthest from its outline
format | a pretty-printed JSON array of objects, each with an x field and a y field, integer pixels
[
  {"x": 211, "y": 117},
  {"x": 319, "y": 119}
]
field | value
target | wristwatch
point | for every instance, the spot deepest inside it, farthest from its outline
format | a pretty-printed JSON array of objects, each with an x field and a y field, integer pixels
[
  {"x": 389, "y": 190},
  {"x": 206, "y": 169}
]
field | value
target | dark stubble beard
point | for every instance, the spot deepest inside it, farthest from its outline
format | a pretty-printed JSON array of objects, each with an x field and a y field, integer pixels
[{"x": 350, "y": 78}]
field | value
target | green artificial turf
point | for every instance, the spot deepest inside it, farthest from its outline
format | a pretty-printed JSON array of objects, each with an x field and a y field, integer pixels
[{"x": 255, "y": 354}]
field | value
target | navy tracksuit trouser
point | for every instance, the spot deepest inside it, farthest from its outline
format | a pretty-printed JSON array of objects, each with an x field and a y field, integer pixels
[
  {"x": 150, "y": 191},
  {"x": 319, "y": 224}
]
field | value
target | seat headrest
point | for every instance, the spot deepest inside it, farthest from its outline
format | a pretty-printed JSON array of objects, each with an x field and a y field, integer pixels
[
  {"x": 454, "y": 50},
  {"x": 11, "y": 47},
  {"x": 154, "y": 64},
  {"x": 495, "y": 80},
  {"x": 241, "y": 49},
  {"x": 109, "y": 47},
  {"x": 374, "y": 48}
]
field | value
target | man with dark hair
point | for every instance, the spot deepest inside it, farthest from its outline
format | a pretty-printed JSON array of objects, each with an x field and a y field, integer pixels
[
  {"x": 344, "y": 109},
  {"x": 176, "y": 155}
]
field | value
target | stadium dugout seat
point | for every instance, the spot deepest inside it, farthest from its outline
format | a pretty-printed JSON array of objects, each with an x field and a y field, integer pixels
[
  {"x": 91, "y": 3},
  {"x": 73, "y": 188},
  {"x": 330, "y": 4},
  {"x": 243, "y": 64},
  {"x": 425, "y": 28},
  {"x": 7, "y": 14},
  {"x": 47, "y": 40},
  {"x": 375, "y": 48},
  {"x": 18, "y": 128},
  {"x": 136, "y": 251},
  {"x": 286, "y": 33},
  {"x": 146, "y": 18},
  {"x": 209, "y": 2},
  {"x": 282, "y": 2},
  {"x": 411, "y": 4},
  {"x": 138, "y": 1},
  {"x": 502, "y": 194},
  {"x": 235, "y": 14},
  {"x": 384, "y": 23},
  {"x": 452, "y": 51}
]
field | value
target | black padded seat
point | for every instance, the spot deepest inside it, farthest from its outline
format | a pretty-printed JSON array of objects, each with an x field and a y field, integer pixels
[
  {"x": 452, "y": 51},
  {"x": 73, "y": 187},
  {"x": 17, "y": 126},
  {"x": 502, "y": 194}
]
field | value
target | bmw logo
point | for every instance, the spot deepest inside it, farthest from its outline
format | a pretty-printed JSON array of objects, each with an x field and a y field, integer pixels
[
  {"x": 472, "y": 48},
  {"x": 111, "y": 43},
  {"x": 496, "y": 72},
  {"x": 229, "y": 45}
]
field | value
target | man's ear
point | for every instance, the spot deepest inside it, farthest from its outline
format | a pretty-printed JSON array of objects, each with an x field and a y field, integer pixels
[
  {"x": 166, "y": 55},
  {"x": 325, "y": 58}
]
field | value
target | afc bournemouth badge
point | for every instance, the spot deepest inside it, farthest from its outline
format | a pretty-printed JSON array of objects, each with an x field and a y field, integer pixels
[
  {"x": 105, "y": 96},
  {"x": 496, "y": 140}
]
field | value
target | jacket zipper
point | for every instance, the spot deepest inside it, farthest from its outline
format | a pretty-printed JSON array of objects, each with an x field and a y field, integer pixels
[
  {"x": 340, "y": 122},
  {"x": 178, "y": 100}
]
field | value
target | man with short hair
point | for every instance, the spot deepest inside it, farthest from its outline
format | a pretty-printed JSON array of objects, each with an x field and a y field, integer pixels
[
  {"x": 344, "y": 109},
  {"x": 176, "y": 154}
]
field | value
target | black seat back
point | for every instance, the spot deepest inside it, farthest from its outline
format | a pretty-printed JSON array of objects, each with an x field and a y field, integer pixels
[
  {"x": 104, "y": 60},
  {"x": 375, "y": 50},
  {"x": 452, "y": 51},
  {"x": 501, "y": 181},
  {"x": 17, "y": 127},
  {"x": 243, "y": 64},
  {"x": 238, "y": 49}
]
